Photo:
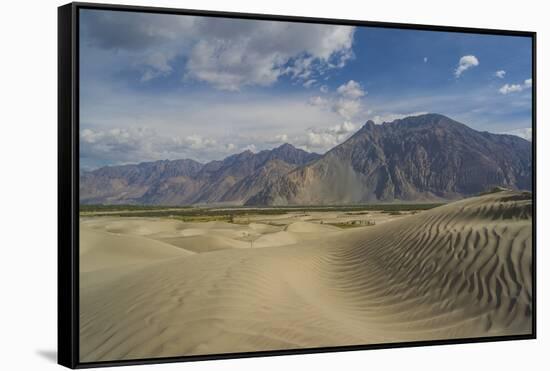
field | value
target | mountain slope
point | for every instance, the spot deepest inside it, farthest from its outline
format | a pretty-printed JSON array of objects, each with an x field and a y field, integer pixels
[
  {"x": 425, "y": 157},
  {"x": 182, "y": 182},
  {"x": 259, "y": 180},
  {"x": 421, "y": 158},
  {"x": 121, "y": 184}
]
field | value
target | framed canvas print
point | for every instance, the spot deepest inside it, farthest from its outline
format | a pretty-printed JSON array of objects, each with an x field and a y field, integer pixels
[{"x": 236, "y": 185}]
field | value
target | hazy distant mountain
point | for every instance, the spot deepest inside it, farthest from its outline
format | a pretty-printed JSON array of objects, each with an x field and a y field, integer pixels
[
  {"x": 123, "y": 184},
  {"x": 181, "y": 182},
  {"x": 420, "y": 158},
  {"x": 425, "y": 157}
]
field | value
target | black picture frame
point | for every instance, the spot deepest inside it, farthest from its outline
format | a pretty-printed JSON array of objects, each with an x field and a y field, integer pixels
[{"x": 68, "y": 180}]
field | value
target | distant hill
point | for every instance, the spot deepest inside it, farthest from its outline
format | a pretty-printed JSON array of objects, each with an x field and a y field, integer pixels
[
  {"x": 181, "y": 182},
  {"x": 420, "y": 158}
]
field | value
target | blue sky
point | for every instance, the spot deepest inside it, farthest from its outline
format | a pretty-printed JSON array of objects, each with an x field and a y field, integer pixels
[{"x": 165, "y": 86}]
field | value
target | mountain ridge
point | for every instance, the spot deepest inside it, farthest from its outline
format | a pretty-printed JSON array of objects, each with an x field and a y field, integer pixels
[
  {"x": 426, "y": 157},
  {"x": 184, "y": 181},
  {"x": 417, "y": 158}
]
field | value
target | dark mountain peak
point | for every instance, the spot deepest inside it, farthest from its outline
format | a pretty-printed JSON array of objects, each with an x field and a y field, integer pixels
[
  {"x": 423, "y": 157},
  {"x": 429, "y": 124},
  {"x": 425, "y": 120},
  {"x": 369, "y": 125},
  {"x": 186, "y": 161},
  {"x": 238, "y": 156},
  {"x": 427, "y": 117},
  {"x": 368, "y": 130},
  {"x": 290, "y": 154},
  {"x": 286, "y": 146},
  {"x": 245, "y": 153}
]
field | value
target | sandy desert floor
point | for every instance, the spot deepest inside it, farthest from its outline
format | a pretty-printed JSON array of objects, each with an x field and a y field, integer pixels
[{"x": 157, "y": 287}]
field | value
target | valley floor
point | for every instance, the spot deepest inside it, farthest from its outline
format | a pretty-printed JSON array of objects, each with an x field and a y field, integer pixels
[{"x": 160, "y": 287}]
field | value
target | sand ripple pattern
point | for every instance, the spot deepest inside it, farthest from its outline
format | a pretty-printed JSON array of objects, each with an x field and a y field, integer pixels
[
  {"x": 460, "y": 270},
  {"x": 463, "y": 270}
]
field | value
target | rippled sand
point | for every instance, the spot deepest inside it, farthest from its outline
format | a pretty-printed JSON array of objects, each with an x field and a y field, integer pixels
[{"x": 159, "y": 287}]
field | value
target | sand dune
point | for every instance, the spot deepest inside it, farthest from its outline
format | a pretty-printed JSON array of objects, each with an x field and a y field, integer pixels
[
  {"x": 108, "y": 250},
  {"x": 459, "y": 270}
]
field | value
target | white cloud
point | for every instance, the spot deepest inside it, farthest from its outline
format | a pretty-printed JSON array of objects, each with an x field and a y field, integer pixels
[
  {"x": 510, "y": 88},
  {"x": 500, "y": 74},
  {"x": 318, "y": 101},
  {"x": 226, "y": 53},
  {"x": 525, "y": 133},
  {"x": 309, "y": 83},
  {"x": 155, "y": 64},
  {"x": 180, "y": 127},
  {"x": 347, "y": 108},
  {"x": 351, "y": 89},
  {"x": 515, "y": 88},
  {"x": 323, "y": 139},
  {"x": 229, "y": 66},
  {"x": 133, "y": 145},
  {"x": 346, "y": 102},
  {"x": 196, "y": 142},
  {"x": 323, "y": 89},
  {"x": 267, "y": 51},
  {"x": 465, "y": 63},
  {"x": 250, "y": 147},
  {"x": 348, "y": 105},
  {"x": 425, "y": 59},
  {"x": 281, "y": 138}
]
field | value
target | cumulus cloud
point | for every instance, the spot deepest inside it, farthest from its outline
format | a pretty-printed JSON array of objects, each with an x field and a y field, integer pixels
[
  {"x": 515, "y": 88},
  {"x": 155, "y": 64},
  {"x": 525, "y": 133},
  {"x": 250, "y": 147},
  {"x": 281, "y": 138},
  {"x": 226, "y": 53},
  {"x": 500, "y": 74},
  {"x": 196, "y": 142},
  {"x": 147, "y": 43},
  {"x": 351, "y": 89},
  {"x": 347, "y": 108},
  {"x": 318, "y": 101},
  {"x": 309, "y": 83},
  {"x": 129, "y": 31},
  {"x": 133, "y": 145},
  {"x": 322, "y": 139},
  {"x": 510, "y": 88},
  {"x": 465, "y": 63},
  {"x": 323, "y": 89},
  {"x": 267, "y": 51},
  {"x": 172, "y": 130},
  {"x": 346, "y": 102}
]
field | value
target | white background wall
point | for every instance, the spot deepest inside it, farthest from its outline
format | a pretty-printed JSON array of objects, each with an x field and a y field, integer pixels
[{"x": 28, "y": 182}]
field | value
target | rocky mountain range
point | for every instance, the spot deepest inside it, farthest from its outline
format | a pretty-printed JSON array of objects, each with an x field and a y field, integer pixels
[
  {"x": 419, "y": 158},
  {"x": 181, "y": 182}
]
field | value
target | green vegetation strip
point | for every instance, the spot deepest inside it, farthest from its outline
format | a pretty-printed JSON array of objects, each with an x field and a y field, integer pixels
[
  {"x": 348, "y": 225},
  {"x": 196, "y": 213},
  {"x": 108, "y": 208}
]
